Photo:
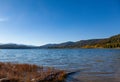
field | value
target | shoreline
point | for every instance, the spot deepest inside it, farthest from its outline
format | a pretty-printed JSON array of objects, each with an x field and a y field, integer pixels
[
  {"x": 63, "y": 48},
  {"x": 14, "y": 72}
]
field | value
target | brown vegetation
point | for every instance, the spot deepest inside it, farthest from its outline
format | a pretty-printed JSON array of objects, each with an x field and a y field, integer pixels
[{"x": 10, "y": 72}]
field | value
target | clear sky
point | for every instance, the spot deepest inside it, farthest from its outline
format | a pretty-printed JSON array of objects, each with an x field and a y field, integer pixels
[{"x": 37, "y": 22}]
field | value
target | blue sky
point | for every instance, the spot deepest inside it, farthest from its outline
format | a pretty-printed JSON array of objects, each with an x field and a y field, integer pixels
[{"x": 38, "y": 22}]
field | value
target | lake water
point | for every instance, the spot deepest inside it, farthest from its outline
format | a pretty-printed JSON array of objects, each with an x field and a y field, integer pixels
[{"x": 89, "y": 65}]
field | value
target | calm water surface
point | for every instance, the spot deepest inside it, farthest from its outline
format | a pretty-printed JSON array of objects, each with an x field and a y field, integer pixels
[{"x": 89, "y": 65}]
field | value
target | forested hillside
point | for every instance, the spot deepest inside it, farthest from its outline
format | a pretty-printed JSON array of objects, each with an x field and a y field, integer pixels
[{"x": 111, "y": 42}]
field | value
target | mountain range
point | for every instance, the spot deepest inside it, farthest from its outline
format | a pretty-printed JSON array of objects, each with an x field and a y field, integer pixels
[
  {"x": 16, "y": 46},
  {"x": 111, "y": 42}
]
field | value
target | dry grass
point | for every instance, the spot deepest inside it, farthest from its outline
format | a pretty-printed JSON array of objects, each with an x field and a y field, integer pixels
[{"x": 29, "y": 73}]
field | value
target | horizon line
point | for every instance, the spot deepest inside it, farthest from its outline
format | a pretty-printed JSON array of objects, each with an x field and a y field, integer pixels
[{"x": 51, "y": 43}]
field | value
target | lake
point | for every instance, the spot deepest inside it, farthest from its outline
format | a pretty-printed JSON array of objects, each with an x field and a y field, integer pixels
[{"x": 88, "y": 65}]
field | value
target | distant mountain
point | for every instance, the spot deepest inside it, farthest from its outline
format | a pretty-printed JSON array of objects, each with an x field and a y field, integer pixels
[
  {"x": 48, "y": 45},
  {"x": 15, "y": 46},
  {"x": 57, "y": 45},
  {"x": 111, "y": 42}
]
